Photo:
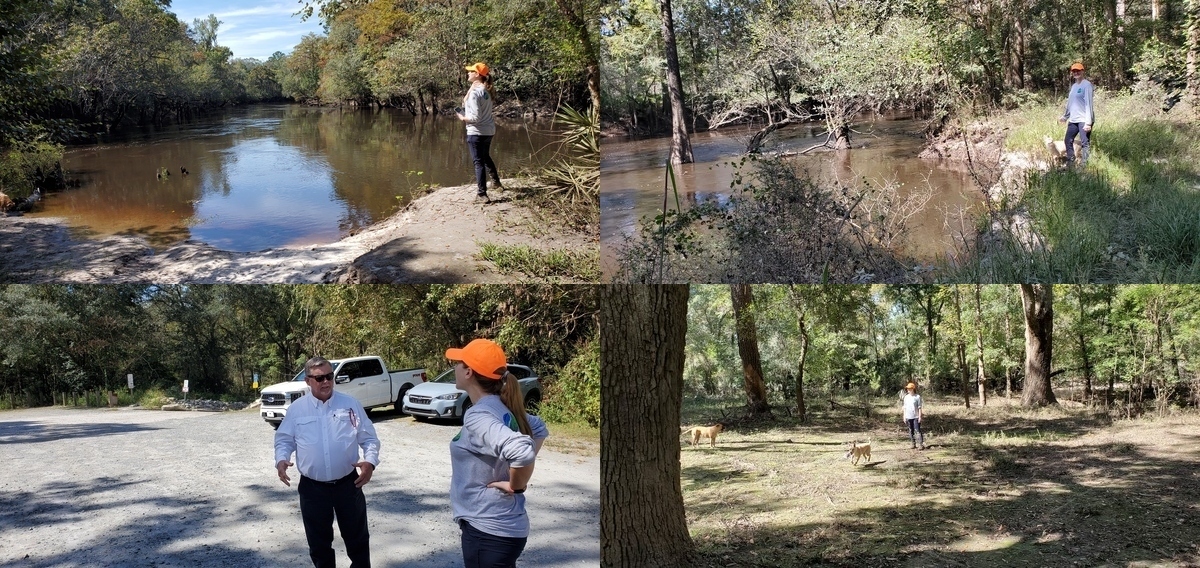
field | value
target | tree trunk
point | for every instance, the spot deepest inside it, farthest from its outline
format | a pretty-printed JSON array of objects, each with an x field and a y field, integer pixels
[
  {"x": 1008, "y": 368},
  {"x": 681, "y": 146},
  {"x": 590, "y": 54},
  {"x": 804, "y": 340},
  {"x": 1083, "y": 349},
  {"x": 1038, "y": 303},
  {"x": 980, "y": 375},
  {"x": 960, "y": 350},
  {"x": 1193, "y": 49},
  {"x": 747, "y": 338},
  {"x": 642, "y": 520}
]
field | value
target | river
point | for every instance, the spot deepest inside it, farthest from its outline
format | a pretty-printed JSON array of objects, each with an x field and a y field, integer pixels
[
  {"x": 633, "y": 171},
  {"x": 266, "y": 176}
]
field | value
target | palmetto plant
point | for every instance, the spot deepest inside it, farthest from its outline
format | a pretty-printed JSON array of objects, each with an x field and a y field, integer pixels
[{"x": 577, "y": 177}]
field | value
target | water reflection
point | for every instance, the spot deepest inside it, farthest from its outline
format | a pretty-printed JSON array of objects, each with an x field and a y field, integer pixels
[
  {"x": 633, "y": 173},
  {"x": 274, "y": 175}
]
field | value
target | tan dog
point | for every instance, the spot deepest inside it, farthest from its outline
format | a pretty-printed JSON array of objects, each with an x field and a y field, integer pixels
[
  {"x": 709, "y": 432},
  {"x": 857, "y": 451},
  {"x": 1058, "y": 149}
]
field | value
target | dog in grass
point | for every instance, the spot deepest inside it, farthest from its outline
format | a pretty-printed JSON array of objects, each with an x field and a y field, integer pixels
[
  {"x": 1058, "y": 149},
  {"x": 697, "y": 432},
  {"x": 857, "y": 451}
]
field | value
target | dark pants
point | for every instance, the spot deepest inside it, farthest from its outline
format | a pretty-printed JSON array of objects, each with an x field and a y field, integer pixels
[
  {"x": 318, "y": 503},
  {"x": 914, "y": 429},
  {"x": 480, "y": 147},
  {"x": 1084, "y": 142},
  {"x": 482, "y": 550}
]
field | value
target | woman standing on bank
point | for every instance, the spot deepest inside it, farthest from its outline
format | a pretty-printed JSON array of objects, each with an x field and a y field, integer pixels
[
  {"x": 481, "y": 127},
  {"x": 491, "y": 458}
]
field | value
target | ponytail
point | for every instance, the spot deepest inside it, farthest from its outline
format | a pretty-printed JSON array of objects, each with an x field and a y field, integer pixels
[
  {"x": 509, "y": 390},
  {"x": 487, "y": 84}
]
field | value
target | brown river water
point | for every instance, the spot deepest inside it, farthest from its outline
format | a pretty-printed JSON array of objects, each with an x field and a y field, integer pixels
[
  {"x": 633, "y": 172},
  {"x": 266, "y": 176}
]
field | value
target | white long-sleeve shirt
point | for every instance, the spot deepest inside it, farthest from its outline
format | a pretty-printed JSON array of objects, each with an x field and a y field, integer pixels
[
  {"x": 1079, "y": 103},
  {"x": 326, "y": 436}
]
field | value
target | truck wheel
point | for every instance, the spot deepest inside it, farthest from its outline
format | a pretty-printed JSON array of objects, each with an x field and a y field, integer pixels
[
  {"x": 275, "y": 425},
  {"x": 398, "y": 406},
  {"x": 532, "y": 401},
  {"x": 465, "y": 405}
]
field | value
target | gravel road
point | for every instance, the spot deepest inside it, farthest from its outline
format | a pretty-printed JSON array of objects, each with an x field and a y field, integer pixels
[{"x": 132, "y": 487}]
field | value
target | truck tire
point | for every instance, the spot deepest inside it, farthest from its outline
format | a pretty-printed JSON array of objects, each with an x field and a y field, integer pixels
[
  {"x": 399, "y": 404},
  {"x": 275, "y": 425},
  {"x": 532, "y": 401},
  {"x": 465, "y": 405}
]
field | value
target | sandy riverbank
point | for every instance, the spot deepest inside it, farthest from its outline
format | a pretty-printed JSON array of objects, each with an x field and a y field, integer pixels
[{"x": 434, "y": 239}]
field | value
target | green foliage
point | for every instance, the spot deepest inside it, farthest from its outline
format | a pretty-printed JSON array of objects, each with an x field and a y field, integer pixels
[
  {"x": 70, "y": 339},
  {"x": 574, "y": 394},
  {"x": 20, "y": 165},
  {"x": 577, "y": 178}
]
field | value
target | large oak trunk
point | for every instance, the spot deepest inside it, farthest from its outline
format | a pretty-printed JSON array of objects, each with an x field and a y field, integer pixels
[
  {"x": 681, "y": 145},
  {"x": 1038, "y": 303},
  {"x": 642, "y": 331}
]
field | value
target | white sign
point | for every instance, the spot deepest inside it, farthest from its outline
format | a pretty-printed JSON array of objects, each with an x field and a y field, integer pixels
[
  {"x": 130, "y": 377},
  {"x": 185, "y": 385}
]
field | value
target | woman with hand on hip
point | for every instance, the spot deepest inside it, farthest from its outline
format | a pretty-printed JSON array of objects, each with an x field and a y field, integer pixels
[
  {"x": 481, "y": 127},
  {"x": 491, "y": 458}
]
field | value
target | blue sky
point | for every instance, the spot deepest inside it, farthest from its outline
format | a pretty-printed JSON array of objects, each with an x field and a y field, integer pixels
[{"x": 251, "y": 28}]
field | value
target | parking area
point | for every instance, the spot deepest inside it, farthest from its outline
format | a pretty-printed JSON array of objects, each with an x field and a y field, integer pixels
[{"x": 132, "y": 487}]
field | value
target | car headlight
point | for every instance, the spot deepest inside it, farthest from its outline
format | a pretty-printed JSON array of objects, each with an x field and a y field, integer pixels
[{"x": 451, "y": 396}]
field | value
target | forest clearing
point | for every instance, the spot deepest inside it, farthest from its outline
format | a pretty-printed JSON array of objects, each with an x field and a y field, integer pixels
[{"x": 997, "y": 486}]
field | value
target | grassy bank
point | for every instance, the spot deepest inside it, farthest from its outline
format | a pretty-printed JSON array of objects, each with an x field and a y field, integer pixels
[
  {"x": 998, "y": 486},
  {"x": 1132, "y": 215}
]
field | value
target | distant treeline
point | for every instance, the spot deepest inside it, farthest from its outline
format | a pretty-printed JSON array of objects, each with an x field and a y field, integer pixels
[
  {"x": 774, "y": 60},
  {"x": 99, "y": 64},
  {"x": 71, "y": 339}
]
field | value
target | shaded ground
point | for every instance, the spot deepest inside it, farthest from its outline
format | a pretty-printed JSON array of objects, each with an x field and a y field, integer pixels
[
  {"x": 999, "y": 486},
  {"x": 435, "y": 239},
  {"x": 125, "y": 487}
]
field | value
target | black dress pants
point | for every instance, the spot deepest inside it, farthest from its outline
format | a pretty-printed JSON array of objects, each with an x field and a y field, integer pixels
[{"x": 319, "y": 502}]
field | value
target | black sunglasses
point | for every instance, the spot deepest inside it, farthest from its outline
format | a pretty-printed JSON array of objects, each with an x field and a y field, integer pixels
[{"x": 322, "y": 378}]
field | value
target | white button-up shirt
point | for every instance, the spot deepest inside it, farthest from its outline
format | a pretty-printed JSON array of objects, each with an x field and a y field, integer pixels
[{"x": 326, "y": 436}]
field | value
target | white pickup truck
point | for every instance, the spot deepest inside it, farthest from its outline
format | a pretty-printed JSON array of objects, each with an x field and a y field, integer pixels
[{"x": 365, "y": 378}]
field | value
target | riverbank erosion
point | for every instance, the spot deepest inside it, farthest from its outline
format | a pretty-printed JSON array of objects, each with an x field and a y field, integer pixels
[{"x": 436, "y": 238}]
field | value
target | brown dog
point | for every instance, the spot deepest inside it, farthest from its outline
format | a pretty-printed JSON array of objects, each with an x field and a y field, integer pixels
[
  {"x": 709, "y": 432},
  {"x": 857, "y": 451}
]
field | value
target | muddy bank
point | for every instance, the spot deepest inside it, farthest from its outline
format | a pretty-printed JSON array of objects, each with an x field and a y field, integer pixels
[{"x": 434, "y": 239}]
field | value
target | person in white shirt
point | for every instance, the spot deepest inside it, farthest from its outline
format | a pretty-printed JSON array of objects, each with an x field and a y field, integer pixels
[
  {"x": 1079, "y": 115},
  {"x": 913, "y": 415},
  {"x": 481, "y": 127},
  {"x": 326, "y": 429}
]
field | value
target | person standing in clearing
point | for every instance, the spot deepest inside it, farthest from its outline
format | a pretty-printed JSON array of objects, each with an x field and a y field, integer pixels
[
  {"x": 913, "y": 415},
  {"x": 481, "y": 127},
  {"x": 1079, "y": 115}
]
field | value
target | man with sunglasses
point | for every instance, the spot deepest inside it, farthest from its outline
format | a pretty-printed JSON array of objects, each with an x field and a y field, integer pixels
[
  {"x": 326, "y": 430},
  {"x": 1079, "y": 115}
]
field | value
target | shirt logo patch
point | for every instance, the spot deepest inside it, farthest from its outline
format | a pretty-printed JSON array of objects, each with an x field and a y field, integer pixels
[{"x": 1079, "y": 91}]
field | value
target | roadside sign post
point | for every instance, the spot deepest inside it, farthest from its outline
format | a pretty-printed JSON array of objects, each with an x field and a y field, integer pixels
[
  {"x": 185, "y": 389},
  {"x": 255, "y": 385},
  {"x": 130, "y": 378}
]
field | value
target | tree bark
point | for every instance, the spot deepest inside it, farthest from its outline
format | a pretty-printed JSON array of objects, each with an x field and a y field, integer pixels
[
  {"x": 642, "y": 332},
  {"x": 747, "y": 338},
  {"x": 1038, "y": 303},
  {"x": 681, "y": 145},
  {"x": 960, "y": 350},
  {"x": 1083, "y": 348},
  {"x": 1193, "y": 49},
  {"x": 804, "y": 340}
]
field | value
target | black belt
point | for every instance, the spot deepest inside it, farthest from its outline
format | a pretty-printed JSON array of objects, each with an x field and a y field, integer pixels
[{"x": 349, "y": 476}]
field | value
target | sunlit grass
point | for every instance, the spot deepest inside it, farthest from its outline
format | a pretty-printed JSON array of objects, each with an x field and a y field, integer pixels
[{"x": 576, "y": 265}]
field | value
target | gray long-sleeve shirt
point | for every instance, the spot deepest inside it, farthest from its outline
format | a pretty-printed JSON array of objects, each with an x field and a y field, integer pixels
[
  {"x": 477, "y": 107},
  {"x": 481, "y": 453},
  {"x": 1079, "y": 103}
]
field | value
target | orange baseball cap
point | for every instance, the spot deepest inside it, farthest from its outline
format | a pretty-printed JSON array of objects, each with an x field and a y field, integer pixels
[
  {"x": 911, "y": 386},
  {"x": 480, "y": 68},
  {"x": 1077, "y": 66},
  {"x": 483, "y": 356}
]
